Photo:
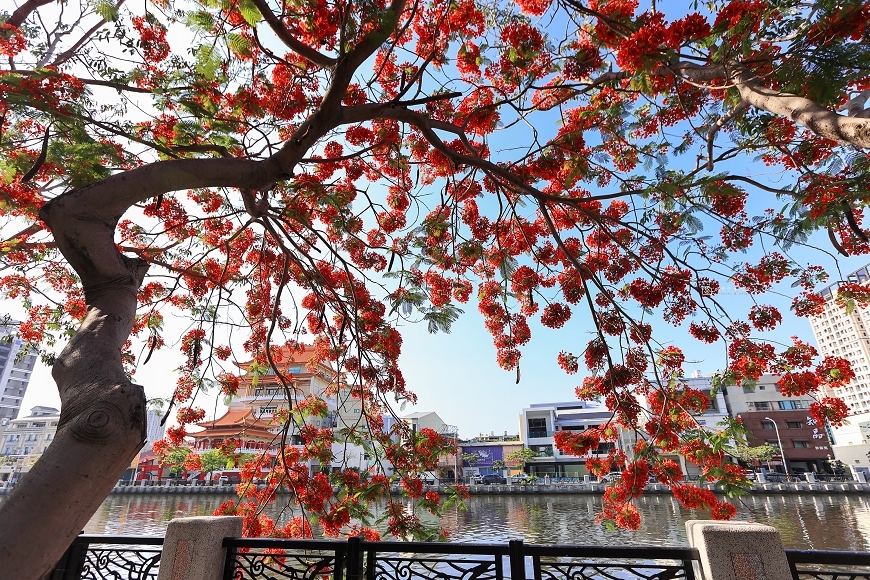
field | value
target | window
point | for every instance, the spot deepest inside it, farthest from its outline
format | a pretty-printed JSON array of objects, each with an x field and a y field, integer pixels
[
  {"x": 787, "y": 405},
  {"x": 800, "y": 444},
  {"x": 537, "y": 428},
  {"x": 762, "y": 406},
  {"x": 794, "y": 424},
  {"x": 267, "y": 410},
  {"x": 767, "y": 425}
]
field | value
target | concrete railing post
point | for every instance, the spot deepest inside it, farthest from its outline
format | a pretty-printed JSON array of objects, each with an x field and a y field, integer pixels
[
  {"x": 738, "y": 551},
  {"x": 193, "y": 547}
]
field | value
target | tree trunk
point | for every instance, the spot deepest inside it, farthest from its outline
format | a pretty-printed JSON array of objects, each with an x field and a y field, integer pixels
[{"x": 102, "y": 421}]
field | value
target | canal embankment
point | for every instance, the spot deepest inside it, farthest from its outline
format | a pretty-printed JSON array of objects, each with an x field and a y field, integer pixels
[{"x": 800, "y": 487}]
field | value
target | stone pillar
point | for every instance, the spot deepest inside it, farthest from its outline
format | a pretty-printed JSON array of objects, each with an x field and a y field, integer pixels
[
  {"x": 811, "y": 477},
  {"x": 738, "y": 551},
  {"x": 192, "y": 548}
]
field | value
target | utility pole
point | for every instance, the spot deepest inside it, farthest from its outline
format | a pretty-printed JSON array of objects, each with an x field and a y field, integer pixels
[{"x": 778, "y": 440}]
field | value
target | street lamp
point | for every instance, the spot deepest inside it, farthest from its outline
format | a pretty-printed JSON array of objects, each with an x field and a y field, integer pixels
[{"x": 778, "y": 440}]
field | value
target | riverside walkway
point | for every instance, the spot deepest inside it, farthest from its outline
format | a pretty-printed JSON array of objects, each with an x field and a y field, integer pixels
[{"x": 800, "y": 487}]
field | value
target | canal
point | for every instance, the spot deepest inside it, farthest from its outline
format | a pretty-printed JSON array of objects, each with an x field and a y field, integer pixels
[{"x": 818, "y": 522}]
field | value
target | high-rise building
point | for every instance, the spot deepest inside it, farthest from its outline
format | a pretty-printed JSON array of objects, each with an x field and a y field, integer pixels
[
  {"x": 841, "y": 332},
  {"x": 844, "y": 334},
  {"x": 16, "y": 369}
]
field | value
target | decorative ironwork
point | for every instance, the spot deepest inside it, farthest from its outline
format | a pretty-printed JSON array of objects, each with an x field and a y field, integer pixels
[
  {"x": 609, "y": 571},
  {"x": 396, "y": 568},
  {"x": 600, "y": 563},
  {"x": 110, "y": 558},
  {"x": 259, "y": 559},
  {"x": 828, "y": 565},
  {"x": 258, "y": 565},
  {"x": 114, "y": 563}
]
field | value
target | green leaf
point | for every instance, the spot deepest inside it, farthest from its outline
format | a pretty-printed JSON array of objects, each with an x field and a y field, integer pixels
[
  {"x": 250, "y": 12},
  {"x": 200, "y": 21},
  {"x": 207, "y": 61},
  {"x": 239, "y": 44},
  {"x": 107, "y": 10}
]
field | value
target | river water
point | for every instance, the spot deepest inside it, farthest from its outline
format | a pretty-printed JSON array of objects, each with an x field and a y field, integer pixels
[{"x": 818, "y": 522}]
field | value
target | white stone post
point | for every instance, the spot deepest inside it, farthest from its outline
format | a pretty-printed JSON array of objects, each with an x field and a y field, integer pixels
[
  {"x": 193, "y": 547},
  {"x": 811, "y": 477},
  {"x": 738, "y": 551}
]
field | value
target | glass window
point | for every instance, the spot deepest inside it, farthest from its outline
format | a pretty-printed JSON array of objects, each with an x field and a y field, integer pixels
[
  {"x": 794, "y": 424},
  {"x": 537, "y": 428},
  {"x": 800, "y": 444},
  {"x": 762, "y": 406},
  {"x": 787, "y": 405},
  {"x": 767, "y": 425}
]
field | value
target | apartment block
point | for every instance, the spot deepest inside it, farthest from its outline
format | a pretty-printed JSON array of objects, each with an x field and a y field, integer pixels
[
  {"x": 25, "y": 439},
  {"x": 844, "y": 334},
  {"x": 15, "y": 370},
  {"x": 773, "y": 418}
]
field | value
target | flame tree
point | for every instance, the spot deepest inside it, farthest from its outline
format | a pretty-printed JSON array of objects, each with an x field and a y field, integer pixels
[{"x": 329, "y": 167}]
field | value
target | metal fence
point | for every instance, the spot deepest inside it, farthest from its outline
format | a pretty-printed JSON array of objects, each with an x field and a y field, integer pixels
[
  {"x": 354, "y": 559},
  {"x": 110, "y": 558},
  {"x": 828, "y": 565},
  {"x": 93, "y": 557}
]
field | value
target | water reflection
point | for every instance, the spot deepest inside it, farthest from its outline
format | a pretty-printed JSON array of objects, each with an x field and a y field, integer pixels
[{"x": 832, "y": 522}]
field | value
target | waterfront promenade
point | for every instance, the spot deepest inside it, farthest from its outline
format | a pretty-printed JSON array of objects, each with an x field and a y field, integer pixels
[{"x": 799, "y": 487}]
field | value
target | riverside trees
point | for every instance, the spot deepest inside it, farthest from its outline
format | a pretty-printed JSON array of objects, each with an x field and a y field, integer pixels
[{"x": 328, "y": 167}]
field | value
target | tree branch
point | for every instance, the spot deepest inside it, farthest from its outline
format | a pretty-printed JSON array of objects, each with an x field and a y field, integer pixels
[
  {"x": 290, "y": 41},
  {"x": 818, "y": 119},
  {"x": 20, "y": 15}
]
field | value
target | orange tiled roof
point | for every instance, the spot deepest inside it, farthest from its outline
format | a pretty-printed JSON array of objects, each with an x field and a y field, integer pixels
[
  {"x": 243, "y": 432},
  {"x": 293, "y": 358}
]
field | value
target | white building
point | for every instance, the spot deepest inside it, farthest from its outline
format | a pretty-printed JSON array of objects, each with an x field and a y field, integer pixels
[
  {"x": 715, "y": 413},
  {"x": 25, "y": 439},
  {"x": 539, "y": 424},
  {"x": 14, "y": 373},
  {"x": 844, "y": 334},
  {"x": 153, "y": 430}
]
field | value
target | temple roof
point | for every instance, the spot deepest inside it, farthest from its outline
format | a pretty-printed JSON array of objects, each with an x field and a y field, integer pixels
[
  {"x": 236, "y": 422},
  {"x": 293, "y": 358}
]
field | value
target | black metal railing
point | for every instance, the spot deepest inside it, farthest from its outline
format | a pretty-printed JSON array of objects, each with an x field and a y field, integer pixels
[
  {"x": 94, "y": 557},
  {"x": 110, "y": 557},
  {"x": 828, "y": 565},
  {"x": 354, "y": 559}
]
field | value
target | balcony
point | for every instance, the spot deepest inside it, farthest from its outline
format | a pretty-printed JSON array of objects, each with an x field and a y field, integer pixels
[{"x": 539, "y": 434}]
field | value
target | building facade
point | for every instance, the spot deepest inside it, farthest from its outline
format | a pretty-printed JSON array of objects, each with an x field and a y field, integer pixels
[
  {"x": 25, "y": 439},
  {"x": 539, "y": 424},
  {"x": 487, "y": 452},
  {"x": 773, "y": 419},
  {"x": 253, "y": 421},
  {"x": 843, "y": 333},
  {"x": 15, "y": 370}
]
